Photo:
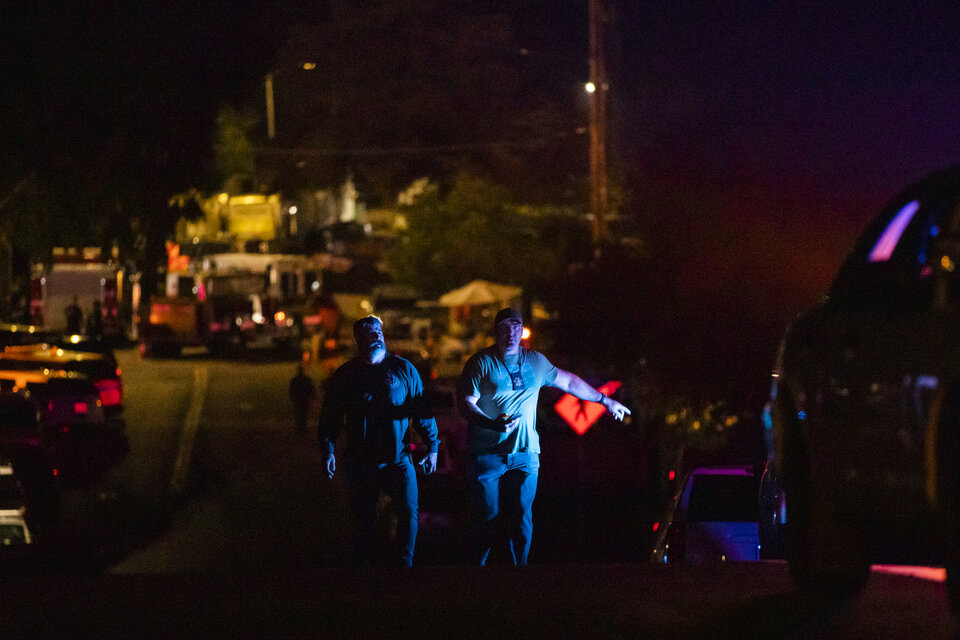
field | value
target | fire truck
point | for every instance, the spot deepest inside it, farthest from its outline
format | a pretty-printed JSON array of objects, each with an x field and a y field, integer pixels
[
  {"x": 228, "y": 302},
  {"x": 81, "y": 276}
]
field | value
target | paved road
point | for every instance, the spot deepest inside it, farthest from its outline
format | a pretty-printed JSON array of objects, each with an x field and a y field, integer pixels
[
  {"x": 249, "y": 542},
  {"x": 559, "y": 601}
]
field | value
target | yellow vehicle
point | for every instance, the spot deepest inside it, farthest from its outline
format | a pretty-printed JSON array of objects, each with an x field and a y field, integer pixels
[{"x": 100, "y": 369}]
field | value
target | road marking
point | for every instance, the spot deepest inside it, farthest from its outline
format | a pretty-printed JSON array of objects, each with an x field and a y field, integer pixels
[{"x": 188, "y": 432}]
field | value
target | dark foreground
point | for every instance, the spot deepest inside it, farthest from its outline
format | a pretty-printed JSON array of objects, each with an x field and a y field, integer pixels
[{"x": 563, "y": 601}]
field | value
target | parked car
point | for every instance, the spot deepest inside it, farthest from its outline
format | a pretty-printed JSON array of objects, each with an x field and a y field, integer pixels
[
  {"x": 13, "y": 508},
  {"x": 865, "y": 401},
  {"x": 100, "y": 368},
  {"x": 67, "y": 401},
  {"x": 13, "y": 500},
  {"x": 20, "y": 426},
  {"x": 14, "y": 334},
  {"x": 713, "y": 517},
  {"x": 14, "y": 530}
]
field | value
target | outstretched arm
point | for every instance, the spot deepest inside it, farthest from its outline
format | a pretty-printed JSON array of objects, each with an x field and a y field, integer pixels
[{"x": 575, "y": 386}]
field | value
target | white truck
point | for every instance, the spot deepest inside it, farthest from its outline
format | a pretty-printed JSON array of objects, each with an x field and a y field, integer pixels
[{"x": 79, "y": 276}]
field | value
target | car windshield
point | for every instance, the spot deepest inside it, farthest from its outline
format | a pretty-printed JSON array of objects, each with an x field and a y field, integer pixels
[
  {"x": 723, "y": 498},
  {"x": 890, "y": 269}
]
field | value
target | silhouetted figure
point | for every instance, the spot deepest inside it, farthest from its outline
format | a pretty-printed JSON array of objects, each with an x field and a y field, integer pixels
[
  {"x": 95, "y": 320},
  {"x": 302, "y": 392},
  {"x": 375, "y": 397},
  {"x": 74, "y": 317}
]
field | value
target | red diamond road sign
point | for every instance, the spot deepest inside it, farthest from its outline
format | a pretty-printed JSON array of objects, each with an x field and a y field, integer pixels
[{"x": 581, "y": 414}]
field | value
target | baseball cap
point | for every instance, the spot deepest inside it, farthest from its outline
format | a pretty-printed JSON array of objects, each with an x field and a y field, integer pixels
[{"x": 507, "y": 314}]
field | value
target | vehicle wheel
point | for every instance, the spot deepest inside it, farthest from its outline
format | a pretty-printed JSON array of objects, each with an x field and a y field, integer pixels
[
  {"x": 826, "y": 547},
  {"x": 952, "y": 563},
  {"x": 826, "y": 552},
  {"x": 948, "y": 488}
]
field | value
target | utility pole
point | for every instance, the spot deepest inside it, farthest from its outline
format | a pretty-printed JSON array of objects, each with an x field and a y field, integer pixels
[
  {"x": 268, "y": 89},
  {"x": 598, "y": 124}
]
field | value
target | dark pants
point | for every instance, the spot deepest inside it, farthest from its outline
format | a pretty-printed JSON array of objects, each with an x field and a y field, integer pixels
[
  {"x": 505, "y": 485},
  {"x": 364, "y": 483},
  {"x": 301, "y": 414}
]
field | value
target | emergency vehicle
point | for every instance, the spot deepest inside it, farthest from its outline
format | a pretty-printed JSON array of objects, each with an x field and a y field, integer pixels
[
  {"x": 230, "y": 301},
  {"x": 79, "y": 275}
]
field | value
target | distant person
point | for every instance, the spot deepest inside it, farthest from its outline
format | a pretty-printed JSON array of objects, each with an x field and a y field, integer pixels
[
  {"x": 302, "y": 392},
  {"x": 95, "y": 320},
  {"x": 374, "y": 396},
  {"x": 498, "y": 391},
  {"x": 74, "y": 317}
]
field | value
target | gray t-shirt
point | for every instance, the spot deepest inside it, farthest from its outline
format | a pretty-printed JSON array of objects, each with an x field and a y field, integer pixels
[{"x": 486, "y": 377}]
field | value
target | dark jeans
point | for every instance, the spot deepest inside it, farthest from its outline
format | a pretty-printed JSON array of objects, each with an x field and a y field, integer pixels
[
  {"x": 301, "y": 415},
  {"x": 505, "y": 485},
  {"x": 364, "y": 483}
]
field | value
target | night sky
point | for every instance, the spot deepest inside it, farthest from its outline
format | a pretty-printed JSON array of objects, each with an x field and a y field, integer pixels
[
  {"x": 756, "y": 138},
  {"x": 833, "y": 104}
]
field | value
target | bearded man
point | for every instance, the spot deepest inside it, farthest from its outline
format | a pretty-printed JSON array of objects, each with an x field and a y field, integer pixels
[{"x": 374, "y": 397}]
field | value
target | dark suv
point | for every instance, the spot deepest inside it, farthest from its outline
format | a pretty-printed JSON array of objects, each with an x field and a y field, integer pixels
[{"x": 865, "y": 401}]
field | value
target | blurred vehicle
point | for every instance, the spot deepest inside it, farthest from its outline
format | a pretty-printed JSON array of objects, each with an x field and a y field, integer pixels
[
  {"x": 865, "y": 401},
  {"x": 396, "y": 306},
  {"x": 712, "y": 518},
  {"x": 19, "y": 423},
  {"x": 66, "y": 400},
  {"x": 19, "y": 334},
  {"x": 100, "y": 368},
  {"x": 230, "y": 301},
  {"x": 321, "y": 316},
  {"x": 14, "y": 530},
  {"x": 13, "y": 500},
  {"x": 82, "y": 275}
]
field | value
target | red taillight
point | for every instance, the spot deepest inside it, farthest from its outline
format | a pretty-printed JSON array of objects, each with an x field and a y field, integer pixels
[
  {"x": 656, "y": 525},
  {"x": 80, "y": 407},
  {"x": 111, "y": 392}
]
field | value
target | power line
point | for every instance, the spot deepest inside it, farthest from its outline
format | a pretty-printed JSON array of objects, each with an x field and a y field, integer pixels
[{"x": 413, "y": 149}]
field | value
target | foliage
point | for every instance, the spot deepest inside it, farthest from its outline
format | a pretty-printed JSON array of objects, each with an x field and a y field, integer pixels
[
  {"x": 232, "y": 148},
  {"x": 705, "y": 428},
  {"x": 475, "y": 232}
]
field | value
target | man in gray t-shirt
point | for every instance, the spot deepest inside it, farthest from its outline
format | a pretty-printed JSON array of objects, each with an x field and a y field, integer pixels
[{"x": 498, "y": 389}]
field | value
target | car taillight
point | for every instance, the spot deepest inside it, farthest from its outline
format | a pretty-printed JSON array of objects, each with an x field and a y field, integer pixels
[
  {"x": 80, "y": 408},
  {"x": 675, "y": 547},
  {"x": 111, "y": 392}
]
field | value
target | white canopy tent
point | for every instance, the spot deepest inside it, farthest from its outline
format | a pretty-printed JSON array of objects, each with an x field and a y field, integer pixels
[{"x": 481, "y": 292}]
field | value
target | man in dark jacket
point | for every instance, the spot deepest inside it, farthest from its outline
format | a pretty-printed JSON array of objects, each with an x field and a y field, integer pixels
[{"x": 373, "y": 397}]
